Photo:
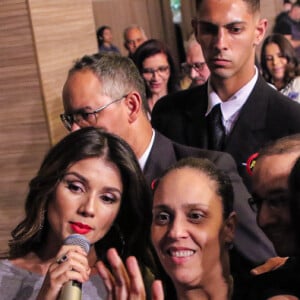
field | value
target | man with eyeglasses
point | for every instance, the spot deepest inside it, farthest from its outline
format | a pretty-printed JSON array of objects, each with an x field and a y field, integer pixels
[
  {"x": 271, "y": 201},
  {"x": 195, "y": 66},
  {"x": 108, "y": 91}
]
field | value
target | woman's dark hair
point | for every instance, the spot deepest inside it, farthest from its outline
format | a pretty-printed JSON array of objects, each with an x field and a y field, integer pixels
[
  {"x": 150, "y": 48},
  {"x": 287, "y": 51},
  {"x": 100, "y": 32},
  {"x": 294, "y": 189},
  {"x": 132, "y": 224}
]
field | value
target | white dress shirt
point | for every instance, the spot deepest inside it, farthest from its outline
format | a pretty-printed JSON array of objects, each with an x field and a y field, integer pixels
[
  {"x": 142, "y": 160},
  {"x": 231, "y": 108}
]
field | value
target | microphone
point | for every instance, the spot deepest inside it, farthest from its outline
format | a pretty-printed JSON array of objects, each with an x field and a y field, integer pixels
[{"x": 72, "y": 289}]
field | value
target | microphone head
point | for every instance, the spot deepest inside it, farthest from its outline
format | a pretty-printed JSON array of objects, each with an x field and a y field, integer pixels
[{"x": 78, "y": 239}]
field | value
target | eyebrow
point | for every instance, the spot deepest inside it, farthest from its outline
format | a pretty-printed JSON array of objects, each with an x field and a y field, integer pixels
[
  {"x": 187, "y": 205},
  {"x": 109, "y": 188},
  {"x": 81, "y": 109},
  {"x": 76, "y": 175},
  {"x": 221, "y": 25}
]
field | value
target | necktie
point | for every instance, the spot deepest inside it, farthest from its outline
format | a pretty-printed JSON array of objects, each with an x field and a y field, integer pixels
[{"x": 216, "y": 131}]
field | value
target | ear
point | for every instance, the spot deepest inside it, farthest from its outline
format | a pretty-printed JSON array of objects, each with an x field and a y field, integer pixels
[
  {"x": 229, "y": 228},
  {"x": 134, "y": 105},
  {"x": 260, "y": 31}
]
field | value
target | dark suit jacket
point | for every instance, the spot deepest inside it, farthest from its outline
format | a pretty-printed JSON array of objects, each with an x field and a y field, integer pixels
[
  {"x": 266, "y": 115},
  {"x": 249, "y": 236}
]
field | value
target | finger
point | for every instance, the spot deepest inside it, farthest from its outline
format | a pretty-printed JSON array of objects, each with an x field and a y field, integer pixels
[
  {"x": 107, "y": 278},
  {"x": 157, "y": 290},
  {"x": 270, "y": 265},
  {"x": 62, "y": 259},
  {"x": 72, "y": 254},
  {"x": 73, "y": 264},
  {"x": 75, "y": 248},
  {"x": 137, "y": 288},
  {"x": 118, "y": 268},
  {"x": 122, "y": 282},
  {"x": 57, "y": 275}
]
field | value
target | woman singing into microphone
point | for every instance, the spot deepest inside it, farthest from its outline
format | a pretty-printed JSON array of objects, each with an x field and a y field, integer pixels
[{"x": 90, "y": 183}]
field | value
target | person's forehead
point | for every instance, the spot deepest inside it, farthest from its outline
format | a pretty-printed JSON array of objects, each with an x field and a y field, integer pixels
[
  {"x": 133, "y": 32},
  {"x": 82, "y": 89},
  {"x": 83, "y": 78},
  {"x": 195, "y": 52},
  {"x": 272, "y": 172}
]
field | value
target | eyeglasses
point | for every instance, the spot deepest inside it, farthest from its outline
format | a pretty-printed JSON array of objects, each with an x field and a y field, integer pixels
[
  {"x": 162, "y": 70},
  {"x": 276, "y": 203},
  {"x": 198, "y": 66},
  {"x": 83, "y": 118}
]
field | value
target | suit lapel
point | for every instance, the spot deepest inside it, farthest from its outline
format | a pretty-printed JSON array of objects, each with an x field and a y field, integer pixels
[
  {"x": 161, "y": 156},
  {"x": 251, "y": 121},
  {"x": 196, "y": 133}
]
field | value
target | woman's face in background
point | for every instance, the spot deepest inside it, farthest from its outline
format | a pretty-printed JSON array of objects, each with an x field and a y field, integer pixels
[
  {"x": 187, "y": 226},
  {"x": 275, "y": 61},
  {"x": 156, "y": 72}
]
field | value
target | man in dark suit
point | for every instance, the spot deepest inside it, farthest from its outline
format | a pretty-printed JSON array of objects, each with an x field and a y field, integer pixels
[
  {"x": 107, "y": 91},
  {"x": 275, "y": 200},
  {"x": 252, "y": 112}
]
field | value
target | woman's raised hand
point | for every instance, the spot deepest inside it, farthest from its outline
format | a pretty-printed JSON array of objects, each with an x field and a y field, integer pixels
[{"x": 125, "y": 282}]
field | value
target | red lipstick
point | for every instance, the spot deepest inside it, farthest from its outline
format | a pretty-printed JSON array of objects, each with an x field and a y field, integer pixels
[{"x": 80, "y": 228}]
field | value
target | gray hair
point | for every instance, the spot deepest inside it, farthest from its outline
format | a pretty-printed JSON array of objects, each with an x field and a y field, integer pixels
[
  {"x": 118, "y": 75},
  {"x": 134, "y": 26}
]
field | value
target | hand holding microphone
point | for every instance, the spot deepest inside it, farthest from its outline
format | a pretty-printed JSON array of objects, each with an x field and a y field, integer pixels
[
  {"x": 71, "y": 263},
  {"x": 72, "y": 289}
]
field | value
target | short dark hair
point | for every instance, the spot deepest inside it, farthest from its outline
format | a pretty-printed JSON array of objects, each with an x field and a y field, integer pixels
[
  {"x": 254, "y": 5},
  {"x": 134, "y": 217},
  {"x": 99, "y": 33}
]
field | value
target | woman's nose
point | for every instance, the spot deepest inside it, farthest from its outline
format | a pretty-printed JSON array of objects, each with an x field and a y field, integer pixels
[
  {"x": 177, "y": 229},
  {"x": 87, "y": 207}
]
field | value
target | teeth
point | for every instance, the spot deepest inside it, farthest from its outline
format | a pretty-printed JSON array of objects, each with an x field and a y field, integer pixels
[{"x": 182, "y": 253}]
